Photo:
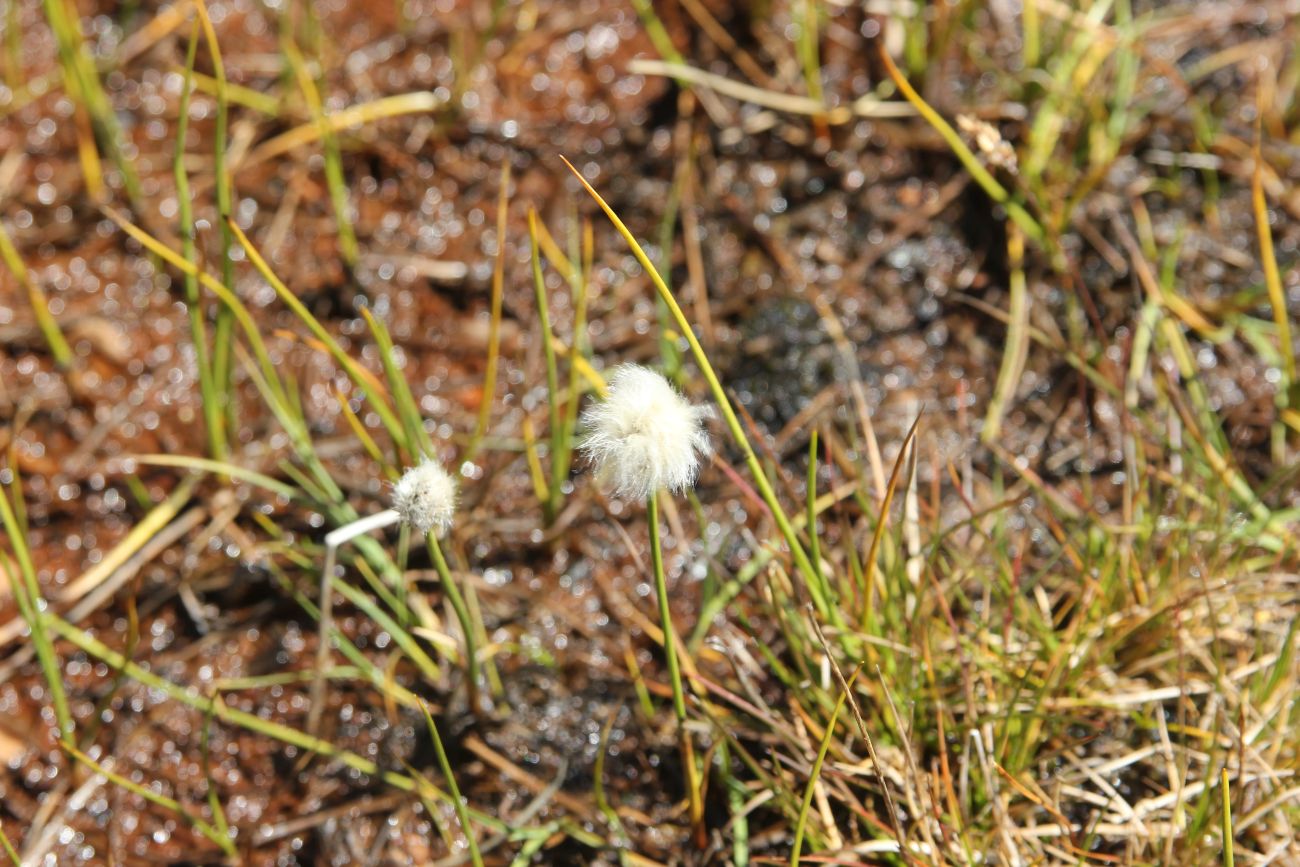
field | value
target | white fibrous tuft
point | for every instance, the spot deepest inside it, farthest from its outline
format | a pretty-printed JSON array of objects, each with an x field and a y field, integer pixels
[
  {"x": 644, "y": 435},
  {"x": 425, "y": 497}
]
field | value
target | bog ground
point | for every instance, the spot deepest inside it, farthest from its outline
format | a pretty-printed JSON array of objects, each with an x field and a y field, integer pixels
[{"x": 989, "y": 312}]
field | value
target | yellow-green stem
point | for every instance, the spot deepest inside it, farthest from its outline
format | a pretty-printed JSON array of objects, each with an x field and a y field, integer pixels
[{"x": 674, "y": 665}]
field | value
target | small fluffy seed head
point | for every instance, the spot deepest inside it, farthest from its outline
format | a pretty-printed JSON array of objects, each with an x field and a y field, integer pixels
[
  {"x": 425, "y": 497},
  {"x": 644, "y": 435}
]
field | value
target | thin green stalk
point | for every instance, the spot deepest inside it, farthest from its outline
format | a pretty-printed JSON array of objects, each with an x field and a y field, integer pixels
[
  {"x": 1227, "y": 820},
  {"x": 580, "y": 349},
  {"x": 802, "y": 822},
  {"x": 1016, "y": 347},
  {"x": 212, "y": 415},
  {"x": 45, "y": 321},
  {"x": 764, "y": 486},
  {"x": 334, "y": 178},
  {"x": 670, "y": 358},
  {"x": 559, "y": 472},
  {"x": 31, "y": 605},
  {"x": 457, "y": 802},
  {"x": 665, "y": 616},
  {"x": 417, "y": 437},
  {"x": 814, "y": 544},
  {"x": 737, "y": 796},
  {"x": 219, "y": 820},
  {"x": 457, "y": 600},
  {"x": 223, "y": 332},
  {"x": 674, "y": 665}
]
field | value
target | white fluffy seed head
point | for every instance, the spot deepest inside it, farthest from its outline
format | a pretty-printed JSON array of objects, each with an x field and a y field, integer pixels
[
  {"x": 644, "y": 435},
  {"x": 425, "y": 497}
]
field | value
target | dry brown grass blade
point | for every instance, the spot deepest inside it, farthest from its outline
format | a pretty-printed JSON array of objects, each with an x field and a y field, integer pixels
[
  {"x": 420, "y": 102},
  {"x": 869, "y": 563}
]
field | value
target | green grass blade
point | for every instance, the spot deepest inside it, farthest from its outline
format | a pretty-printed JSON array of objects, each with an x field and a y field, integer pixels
[
  {"x": 31, "y": 605},
  {"x": 213, "y": 417},
  {"x": 802, "y": 822},
  {"x": 224, "y": 327}
]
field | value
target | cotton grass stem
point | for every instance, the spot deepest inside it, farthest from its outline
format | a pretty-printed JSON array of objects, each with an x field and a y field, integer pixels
[{"x": 674, "y": 665}]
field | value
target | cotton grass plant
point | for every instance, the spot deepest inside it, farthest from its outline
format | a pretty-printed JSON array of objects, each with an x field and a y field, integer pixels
[
  {"x": 644, "y": 438},
  {"x": 423, "y": 499}
]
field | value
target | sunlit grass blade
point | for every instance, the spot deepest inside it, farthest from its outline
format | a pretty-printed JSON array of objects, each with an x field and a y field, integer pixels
[
  {"x": 82, "y": 80},
  {"x": 1017, "y": 342},
  {"x": 334, "y": 178},
  {"x": 417, "y": 437},
  {"x": 377, "y": 400},
  {"x": 468, "y": 626},
  {"x": 696, "y": 805},
  {"x": 54, "y": 339},
  {"x": 559, "y": 467},
  {"x": 219, "y": 821},
  {"x": 418, "y": 102},
  {"x": 1287, "y": 389},
  {"x": 10, "y": 852},
  {"x": 536, "y": 474},
  {"x": 1227, "y": 819},
  {"x": 809, "y": 34},
  {"x": 814, "y": 543}
]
